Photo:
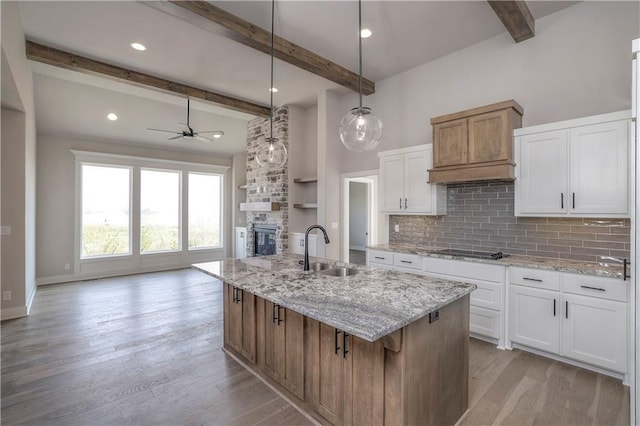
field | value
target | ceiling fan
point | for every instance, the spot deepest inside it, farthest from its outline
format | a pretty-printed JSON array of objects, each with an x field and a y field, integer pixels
[{"x": 190, "y": 133}]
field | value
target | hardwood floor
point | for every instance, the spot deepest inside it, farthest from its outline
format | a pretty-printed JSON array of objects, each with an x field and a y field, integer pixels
[{"x": 146, "y": 349}]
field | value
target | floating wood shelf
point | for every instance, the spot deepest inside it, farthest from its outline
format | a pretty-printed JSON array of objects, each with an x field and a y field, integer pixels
[
  {"x": 244, "y": 186},
  {"x": 305, "y": 206},
  {"x": 307, "y": 179},
  {"x": 260, "y": 207}
]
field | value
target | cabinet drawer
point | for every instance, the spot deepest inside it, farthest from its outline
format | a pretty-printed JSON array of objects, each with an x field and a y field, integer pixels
[
  {"x": 487, "y": 295},
  {"x": 466, "y": 270},
  {"x": 603, "y": 288},
  {"x": 484, "y": 322},
  {"x": 377, "y": 256},
  {"x": 410, "y": 261},
  {"x": 537, "y": 278}
]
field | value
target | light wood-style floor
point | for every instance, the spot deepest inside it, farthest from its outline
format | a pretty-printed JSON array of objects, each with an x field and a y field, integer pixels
[{"x": 145, "y": 349}]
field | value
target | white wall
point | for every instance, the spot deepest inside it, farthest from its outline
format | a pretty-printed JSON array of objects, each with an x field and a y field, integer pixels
[
  {"x": 18, "y": 172},
  {"x": 357, "y": 215},
  {"x": 302, "y": 163},
  {"x": 56, "y": 199},
  {"x": 578, "y": 64}
]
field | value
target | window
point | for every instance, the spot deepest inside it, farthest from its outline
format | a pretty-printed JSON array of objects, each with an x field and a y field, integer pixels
[
  {"x": 106, "y": 211},
  {"x": 159, "y": 211},
  {"x": 205, "y": 207}
]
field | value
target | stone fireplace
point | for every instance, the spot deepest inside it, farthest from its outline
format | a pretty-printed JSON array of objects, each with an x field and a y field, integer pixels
[{"x": 268, "y": 185}]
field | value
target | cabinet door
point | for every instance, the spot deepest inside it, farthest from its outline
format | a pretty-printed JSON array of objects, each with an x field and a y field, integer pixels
[
  {"x": 292, "y": 353},
  {"x": 595, "y": 331},
  {"x": 248, "y": 303},
  {"x": 363, "y": 382},
  {"x": 241, "y": 243},
  {"x": 450, "y": 143},
  {"x": 330, "y": 392},
  {"x": 541, "y": 184},
  {"x": 598, "y": 167},
  {"x": 489, "y": 137},
  {"x": 233, "y": 326},
  {"x": 534, "y": 318},
  {"x": 392, "y": 183},
  {"x": 417, "y": 192},
  {"x": 272, "y": 340}
]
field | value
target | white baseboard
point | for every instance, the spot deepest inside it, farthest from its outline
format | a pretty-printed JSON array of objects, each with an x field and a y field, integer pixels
[
  {"x": 58, "y": 279},
  {"x": 11, "y": 313}
]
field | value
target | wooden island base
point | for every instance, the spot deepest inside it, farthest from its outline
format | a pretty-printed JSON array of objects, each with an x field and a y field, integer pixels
[{"x": 417, "y": 375}]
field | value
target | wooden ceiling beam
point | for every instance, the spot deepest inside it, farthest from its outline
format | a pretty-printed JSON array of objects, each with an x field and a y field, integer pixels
[
  {"x": 71, "y": 61},
  {"x": 516, "y": 17},
  {"x": 237, "y": 29}
]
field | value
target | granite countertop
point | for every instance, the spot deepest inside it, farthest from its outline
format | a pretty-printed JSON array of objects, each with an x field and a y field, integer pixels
[
  {"x": 368, "y": 305},
  {"x": 607, "y": 267}
]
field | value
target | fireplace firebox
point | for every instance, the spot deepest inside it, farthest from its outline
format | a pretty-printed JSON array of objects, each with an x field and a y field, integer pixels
[{"x": 264, "y": 239}]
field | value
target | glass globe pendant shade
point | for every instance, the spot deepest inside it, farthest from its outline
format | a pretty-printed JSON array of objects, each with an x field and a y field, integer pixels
[
  {"x": 360, "y": 130},
  {"x": 272, "y": 155}
]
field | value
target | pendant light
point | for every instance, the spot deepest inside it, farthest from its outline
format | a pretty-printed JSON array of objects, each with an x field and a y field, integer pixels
[
  {"x": 273, "y": 154},
  {"x": 360, "y": 129}
]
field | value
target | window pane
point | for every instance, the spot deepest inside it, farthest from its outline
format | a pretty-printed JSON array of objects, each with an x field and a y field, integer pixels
[
  {"x": 205, "y": 206},
  {"x": 159, "y": 211},
  {"x": 105, "y": 211}
]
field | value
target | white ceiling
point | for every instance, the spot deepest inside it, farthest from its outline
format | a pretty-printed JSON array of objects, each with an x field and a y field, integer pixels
[{"x": 405, "y": 34}]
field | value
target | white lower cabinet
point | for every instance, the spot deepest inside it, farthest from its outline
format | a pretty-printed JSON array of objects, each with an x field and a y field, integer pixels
[
  {"x": 534, "y": 318},
  {"x": 484, "y": 322},
  {"x": 595, "y": 331},
  {"x": 586, "y": 319}
]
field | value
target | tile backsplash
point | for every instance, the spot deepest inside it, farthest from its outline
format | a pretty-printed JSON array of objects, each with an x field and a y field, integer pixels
[{"x": 480, "y": 217}]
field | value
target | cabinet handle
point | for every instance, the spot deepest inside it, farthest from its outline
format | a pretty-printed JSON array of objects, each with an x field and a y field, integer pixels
[
  {"x": 562, "y": 200},
  {"x": 335, "y": 340},
  {"x": 344, "y": 344},
  {"x": 238, "y": 293},
  {"x": 406, "y": 261},
  {"x": 405, "y": 203},
  {"x": 273, "y": 313},
  {"x": 566, "y": 309},
  {"x": 531, "y": 279},
  {"x": 235, "y": 294},
  {"x": 573, "y": 196},
  {"x": 592, "y": 288},
  {"x": 400, "y": 203},
  {"x": 279, "y": 320},
  {"x": 554, "y": 307},
  {"x": 378, "y": 257},
  {"x": 625, "y": 263}
]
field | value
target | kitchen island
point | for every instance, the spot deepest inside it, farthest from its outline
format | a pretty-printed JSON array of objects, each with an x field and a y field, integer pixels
[{"x": 375, "y": 347}]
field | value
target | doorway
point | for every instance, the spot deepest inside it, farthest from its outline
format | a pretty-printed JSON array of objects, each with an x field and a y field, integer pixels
[{"x": 359, "y": 215}]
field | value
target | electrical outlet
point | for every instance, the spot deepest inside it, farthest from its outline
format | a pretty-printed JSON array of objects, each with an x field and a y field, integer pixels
[
  {"x": 334, "y": 225},
  {"x": 396, "y": 227},
  {"x": 6, "y": 295},
  {"x": 67, "y": 266}
]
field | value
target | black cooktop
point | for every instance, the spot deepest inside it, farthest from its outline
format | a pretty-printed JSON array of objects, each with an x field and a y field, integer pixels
[{"x": 472, "y": 253}]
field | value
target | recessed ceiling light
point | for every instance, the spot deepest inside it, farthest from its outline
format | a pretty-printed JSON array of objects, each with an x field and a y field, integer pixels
[
  {"x": 139, "y": 46},
  {"x": 111, "y": 116},
  {"x": 274, "y": 90},
  {"x": 365, "y": 33}
]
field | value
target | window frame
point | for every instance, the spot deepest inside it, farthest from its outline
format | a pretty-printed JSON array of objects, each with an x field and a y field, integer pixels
[
  {"x": 135, "y": 261},
  {"x": 222, "y": 206}
]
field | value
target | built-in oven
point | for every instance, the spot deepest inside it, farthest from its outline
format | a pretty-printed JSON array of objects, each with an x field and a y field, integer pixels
[{"x": 264, "y": 239}]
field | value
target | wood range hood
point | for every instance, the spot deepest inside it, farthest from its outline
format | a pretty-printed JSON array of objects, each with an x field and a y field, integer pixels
[{"x": 475, "y": 144}]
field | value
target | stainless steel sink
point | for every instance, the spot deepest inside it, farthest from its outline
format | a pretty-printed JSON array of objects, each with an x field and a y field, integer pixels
[
  {"x": 340, "y": 272},
  {"x": 319, "y": 266}
]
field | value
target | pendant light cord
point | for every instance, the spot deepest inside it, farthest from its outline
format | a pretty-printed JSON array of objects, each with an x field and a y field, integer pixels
[
  {"x": 360, "y": 50},
  {"x": 273, "y": 4}
]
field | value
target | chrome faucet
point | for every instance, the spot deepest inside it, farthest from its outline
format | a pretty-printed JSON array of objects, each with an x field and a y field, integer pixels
[{"x": 306, "y": 243}]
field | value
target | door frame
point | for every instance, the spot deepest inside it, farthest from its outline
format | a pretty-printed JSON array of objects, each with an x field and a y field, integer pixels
[{"x": 369, "y": 177}]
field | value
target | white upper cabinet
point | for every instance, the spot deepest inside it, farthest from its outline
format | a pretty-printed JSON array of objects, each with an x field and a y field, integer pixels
[
  {"x": 403, "y": 183},
  {"x": 577, "y": 168}
]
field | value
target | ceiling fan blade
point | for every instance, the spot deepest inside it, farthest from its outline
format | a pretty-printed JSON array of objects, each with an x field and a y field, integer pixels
[
  {"x": 217, "y": 132},
  {"x": 174, "y": 138},
  {"x": 166, "y": 131},
  {"x": 202, "y": 138}
]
